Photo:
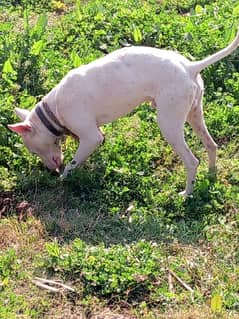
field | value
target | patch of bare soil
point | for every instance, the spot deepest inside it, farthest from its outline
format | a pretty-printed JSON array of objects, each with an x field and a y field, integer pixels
[
  {"x": 19, "y": 228},
  {"x": 93, "y": 311},
  {"x": 9, "y": 204},
  {"x": 107, "y": 314}
]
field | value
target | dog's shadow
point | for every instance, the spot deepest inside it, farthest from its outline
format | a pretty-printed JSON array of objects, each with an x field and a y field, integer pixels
[{"x": 81, "y": 207}]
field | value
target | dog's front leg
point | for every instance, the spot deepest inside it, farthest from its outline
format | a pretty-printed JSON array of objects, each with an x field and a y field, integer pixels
[{"x": 88, "y": 143}]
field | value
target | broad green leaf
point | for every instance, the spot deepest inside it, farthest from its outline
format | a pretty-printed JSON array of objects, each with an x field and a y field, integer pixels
[
  {"x": 76, "y": 60},
  {"x": 231, "y": 33},
  {"x": 198, "y": 9},
  {"x": 26, "y": 20},
  {"x": 37, "y": 47},
  {"x": 7, "y": 67},
  {"x": 235, "y": 11},
  {"x": 58, "y": 6},
  {"x": 189, "y": 26},
  {"x": 137, "y": 35},
  {"x": 78, "y": 4},
  {"x": 78, "y": 9},
  {"x": 5, "y": 282},
  {"x": 41, "y": 22},
  {"x": 216, "y": 303},
  {"x": 40, "y": 26}
]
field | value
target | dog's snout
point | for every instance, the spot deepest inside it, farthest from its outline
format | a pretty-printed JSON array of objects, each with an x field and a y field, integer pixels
[{"x": 57, "y": 160}]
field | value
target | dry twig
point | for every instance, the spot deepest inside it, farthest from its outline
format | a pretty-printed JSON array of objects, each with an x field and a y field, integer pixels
[
  {"x": 49, "y": 285},
  {"x": 170, "y": 282},
  {"x": 182, "y": 283}
]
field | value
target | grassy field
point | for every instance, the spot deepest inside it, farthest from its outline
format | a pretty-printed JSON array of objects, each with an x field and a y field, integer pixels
[{"x": 115, "y": 239}]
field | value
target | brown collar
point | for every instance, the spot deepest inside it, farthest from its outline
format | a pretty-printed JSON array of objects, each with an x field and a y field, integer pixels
[{"x": 50, "y": 121}]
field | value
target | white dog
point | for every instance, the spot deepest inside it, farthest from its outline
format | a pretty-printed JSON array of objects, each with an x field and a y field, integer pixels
[{"x": 110, "y": 87}]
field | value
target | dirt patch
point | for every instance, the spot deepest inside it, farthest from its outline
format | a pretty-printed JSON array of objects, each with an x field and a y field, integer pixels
[
  {"x": 103, "y": 314},
  {"x": 9, "y": 205}
]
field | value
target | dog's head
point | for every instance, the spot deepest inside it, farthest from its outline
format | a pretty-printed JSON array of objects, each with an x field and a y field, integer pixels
[{"x": 38, "y": 140}]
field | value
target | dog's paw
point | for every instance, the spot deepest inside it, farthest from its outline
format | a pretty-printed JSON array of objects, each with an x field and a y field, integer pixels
[
  {"x": 65, "y": 173},
  {"x": 184, "y": 194},
  {"x": 62, "y": 177},
  {"x": 68, "y": 169}
]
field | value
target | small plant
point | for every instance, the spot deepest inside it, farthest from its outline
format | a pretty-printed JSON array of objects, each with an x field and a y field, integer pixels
[
  {"x": 22, "y": 64},
  {"x": 8, "y": 266},
  {"x": 107, "y": 271}
]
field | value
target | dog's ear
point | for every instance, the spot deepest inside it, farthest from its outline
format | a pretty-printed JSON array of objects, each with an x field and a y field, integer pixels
[
  {"x": 20, "y": 128},
  {"x": 22, "y": 113}
]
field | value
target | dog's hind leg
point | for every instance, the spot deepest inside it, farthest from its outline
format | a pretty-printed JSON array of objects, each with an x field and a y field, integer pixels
[
  {"x": 196, "y": 120},
  {"x": 171, "y": 119}
]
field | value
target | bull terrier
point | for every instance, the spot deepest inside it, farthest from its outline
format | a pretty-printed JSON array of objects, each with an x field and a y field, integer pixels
[{"x": 112, "y": 86}]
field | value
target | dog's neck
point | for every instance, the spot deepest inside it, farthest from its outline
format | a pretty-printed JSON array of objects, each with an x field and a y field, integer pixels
[
  {"x": 50, "y": 99},
  {"x": 44, "y": 116},
  {"x": 49, "y": 119}
]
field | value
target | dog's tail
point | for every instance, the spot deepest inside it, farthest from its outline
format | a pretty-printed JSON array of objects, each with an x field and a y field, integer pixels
[{"x": 198, "y": 66}]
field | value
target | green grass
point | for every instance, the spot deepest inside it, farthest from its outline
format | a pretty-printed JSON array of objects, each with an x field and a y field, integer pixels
[{"x": 116, "y": 229}]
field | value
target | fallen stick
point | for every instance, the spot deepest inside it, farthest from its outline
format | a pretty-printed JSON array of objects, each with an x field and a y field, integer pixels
[
  {"x": 46, "y": 283},
  {"x": 182, "y": 283},
  {"x": 170, "y": 282},
  {"x": 44, "y": 286}
]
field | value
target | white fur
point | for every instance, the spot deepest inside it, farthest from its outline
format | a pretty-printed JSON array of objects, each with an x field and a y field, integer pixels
[{"x": 110, "y": 87}]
